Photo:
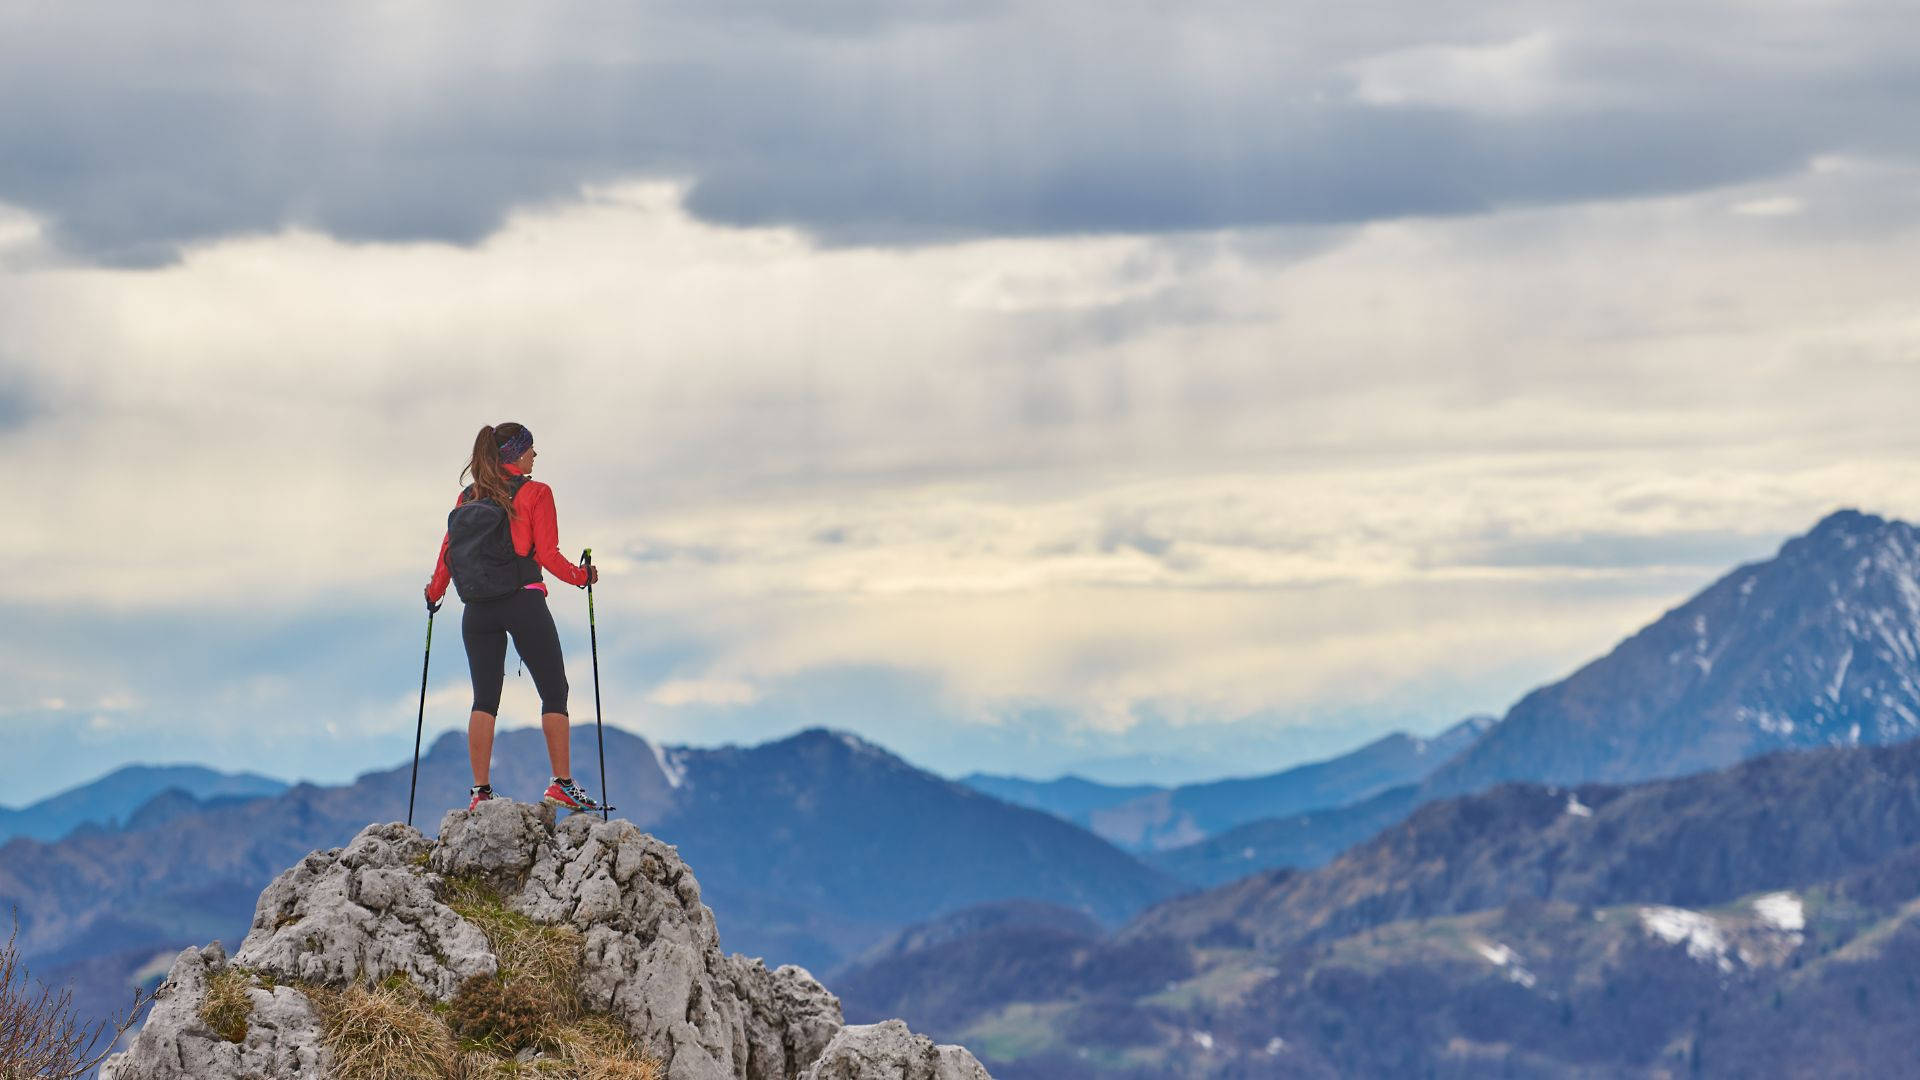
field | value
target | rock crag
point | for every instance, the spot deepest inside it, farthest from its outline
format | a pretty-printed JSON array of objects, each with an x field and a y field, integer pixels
[{"x": 376, "y": 912}]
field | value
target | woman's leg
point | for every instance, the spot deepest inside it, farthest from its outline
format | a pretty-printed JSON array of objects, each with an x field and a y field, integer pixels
[
  {"x": 486, "y": 641},
  {"x": 538, "y": 641},
  {"x": 480, "y": 745},
  {"x": 559, "y": 742}
]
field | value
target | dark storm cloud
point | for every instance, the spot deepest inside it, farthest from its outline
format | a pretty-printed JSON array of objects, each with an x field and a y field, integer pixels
[
  {"x": 1339, "y": 164},
  {"x": 133, "y": 132}
]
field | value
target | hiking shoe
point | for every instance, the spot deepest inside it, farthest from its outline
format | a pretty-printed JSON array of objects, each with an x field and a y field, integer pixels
[
  {"x": 563, "y": 792},
  {"x": 478, "y": 794}
]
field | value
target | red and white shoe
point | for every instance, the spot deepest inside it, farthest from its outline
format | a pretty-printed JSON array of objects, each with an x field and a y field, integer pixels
[
  {"x": 478, "y": 794},
  {"x": 568, "y": 795}
]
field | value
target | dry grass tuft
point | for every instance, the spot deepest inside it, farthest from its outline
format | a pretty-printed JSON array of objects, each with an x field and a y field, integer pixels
[
  {"x": 498, "y": 1016},
  {"x": 542, "y": 958},
  {"x": 602, "y": 1068},
  {"x": 392, "y": 1032},
  {"x": 385, "y": 1033},
  {"x": 227, "y": 1006},
  {"x": 480, "y": 1065},
  {"x": 602, "y": 1050}
]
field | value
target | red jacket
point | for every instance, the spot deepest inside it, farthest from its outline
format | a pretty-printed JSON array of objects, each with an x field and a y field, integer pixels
[{"x": 534, "y": 531}]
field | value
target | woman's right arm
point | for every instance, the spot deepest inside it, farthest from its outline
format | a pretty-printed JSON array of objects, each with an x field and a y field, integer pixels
[{"x": 437, "y": 588}]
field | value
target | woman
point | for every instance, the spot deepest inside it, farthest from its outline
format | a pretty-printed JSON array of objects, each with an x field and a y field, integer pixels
[{"x": 502, "y": 466}]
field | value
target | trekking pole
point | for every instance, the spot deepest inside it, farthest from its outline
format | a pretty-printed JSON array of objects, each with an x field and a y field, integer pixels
[
  {"x": 586, "y": 560},
  {"x": 421, "y": 723}
]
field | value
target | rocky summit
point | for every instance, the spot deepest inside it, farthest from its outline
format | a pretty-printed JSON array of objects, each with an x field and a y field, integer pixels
[{"x": 395, "y": 913}]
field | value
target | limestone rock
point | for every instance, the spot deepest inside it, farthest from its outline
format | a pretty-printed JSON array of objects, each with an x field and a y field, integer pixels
[
  {"x": 650, "y": 957},
  {"x": 652, "y": 952},
  {"x": 283, "y": 1033},
  {"x": 361, "y": 913},
  {"x": 888, "y": 1051},
  {"x": 498, "y": 841}
]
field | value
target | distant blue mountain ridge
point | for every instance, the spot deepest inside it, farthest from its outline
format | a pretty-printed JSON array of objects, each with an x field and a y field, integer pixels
[
  {"x": 1075, "y": 798},
  {"x": 1145, "y": 818},
  {"x": 116, "y": 798}
]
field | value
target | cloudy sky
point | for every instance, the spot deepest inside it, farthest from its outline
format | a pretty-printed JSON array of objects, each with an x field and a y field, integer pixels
[{"x": 1149, "y": 390}]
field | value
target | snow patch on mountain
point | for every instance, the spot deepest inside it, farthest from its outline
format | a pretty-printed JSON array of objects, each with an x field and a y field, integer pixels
[
  {"x": 1782, "y": 910},
  {"x": 1503, "y": 956},
  {"x": 1764, "y": 720},
  {"x": 1703, "y": 937},
  {"x": 857, "y": 744},
  {"x": 673, "y": 763},
  {"x": 1839, "y": 675},
  {"x": 1767, "y": 939}
]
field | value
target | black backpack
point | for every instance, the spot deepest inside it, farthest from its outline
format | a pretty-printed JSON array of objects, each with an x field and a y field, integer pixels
[{"x": 480, "y": 551}]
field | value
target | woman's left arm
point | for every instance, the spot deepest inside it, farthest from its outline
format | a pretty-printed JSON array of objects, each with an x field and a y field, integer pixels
[{"x": 546, "y": 536}]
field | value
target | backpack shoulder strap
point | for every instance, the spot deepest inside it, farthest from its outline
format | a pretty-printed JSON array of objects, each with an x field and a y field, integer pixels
[
  {"x": 530, "y": 565},
  {"x": 513, "y": 488}
]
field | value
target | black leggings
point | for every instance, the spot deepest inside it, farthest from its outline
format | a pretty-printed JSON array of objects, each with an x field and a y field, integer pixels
[{"x": 485, "y": 627}]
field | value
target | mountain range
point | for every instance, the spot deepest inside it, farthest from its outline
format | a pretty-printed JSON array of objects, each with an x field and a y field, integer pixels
[
  {"x": 113, "y": 799},
  {"x": 1817, "y": 646},
  {"x": 1661, "y": 929},
  {"x": 1150, "y": 819}
]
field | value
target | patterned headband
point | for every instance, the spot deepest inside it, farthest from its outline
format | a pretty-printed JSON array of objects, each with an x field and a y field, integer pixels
[{"x": 520, "y": 442}]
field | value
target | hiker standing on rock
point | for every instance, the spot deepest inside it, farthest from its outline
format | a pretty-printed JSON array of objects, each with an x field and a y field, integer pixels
[{"x": 500, "y": 533}]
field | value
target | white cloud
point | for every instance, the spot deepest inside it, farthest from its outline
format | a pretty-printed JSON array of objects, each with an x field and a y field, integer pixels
[
  {"x": 675, "y": 692},
  {"x": 1770, "y": 206},
  {"x": 1514, "y": 76}
]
